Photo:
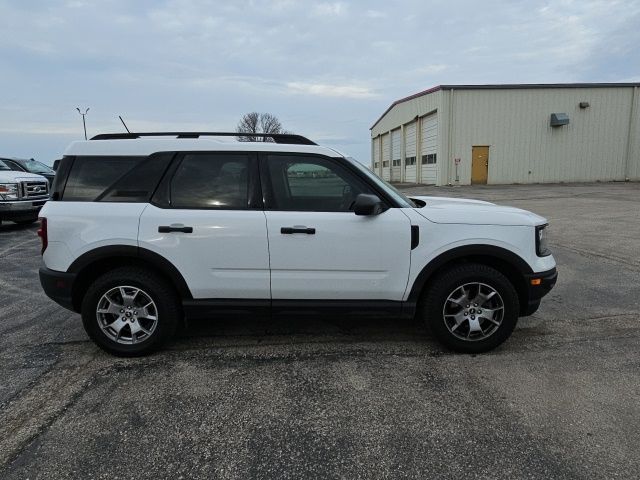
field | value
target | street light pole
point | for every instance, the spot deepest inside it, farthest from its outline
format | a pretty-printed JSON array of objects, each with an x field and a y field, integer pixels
[{"x": 84, "y": 124}]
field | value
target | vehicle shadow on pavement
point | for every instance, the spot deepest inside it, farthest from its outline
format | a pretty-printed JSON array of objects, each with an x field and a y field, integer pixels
[{"x": 318, "y": 328}]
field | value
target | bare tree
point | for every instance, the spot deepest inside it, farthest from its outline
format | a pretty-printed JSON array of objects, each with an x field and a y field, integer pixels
[{"x": 255, "y": 122}]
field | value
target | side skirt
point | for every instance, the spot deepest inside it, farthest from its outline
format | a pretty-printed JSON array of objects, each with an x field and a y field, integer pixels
[{"x": 209, "y": 308}]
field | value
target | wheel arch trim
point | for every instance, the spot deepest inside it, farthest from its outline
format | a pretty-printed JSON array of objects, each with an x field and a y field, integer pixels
[
  {"x": 156, "y": 261},
  {"x": 458, "y": 253}
]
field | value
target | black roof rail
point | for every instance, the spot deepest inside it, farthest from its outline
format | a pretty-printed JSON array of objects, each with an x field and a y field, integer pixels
[{"x": 288, "y": 138}]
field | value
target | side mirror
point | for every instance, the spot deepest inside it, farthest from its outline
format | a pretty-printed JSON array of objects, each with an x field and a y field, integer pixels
[
  {"x": 368, "y": 205},
  {"x": 55, "y": 165}
]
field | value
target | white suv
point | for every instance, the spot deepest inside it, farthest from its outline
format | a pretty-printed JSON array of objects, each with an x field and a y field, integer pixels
[{"x": 144, "y": 230}]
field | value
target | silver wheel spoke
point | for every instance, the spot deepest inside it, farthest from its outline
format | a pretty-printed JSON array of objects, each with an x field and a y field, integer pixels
[
  {"x": 144, "y": 313},
  {"x": 113, "y": 309},
  {"x": 128, "y": 298},
  {"x": 474, "y": 326},
  {"x": 490, "y": 314},
  {"x": 481, "y": 299},
  {"x": 462, "y": 300},
  {"x": 118, "y": 324},
  {"x": 455, "y": 327}
]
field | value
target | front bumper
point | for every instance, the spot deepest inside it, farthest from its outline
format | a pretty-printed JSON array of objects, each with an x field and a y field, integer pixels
[
  {"x": 538, "y": 285},
  {"x": 20, "y": 208},
  {"x": 58, "y": 286}
]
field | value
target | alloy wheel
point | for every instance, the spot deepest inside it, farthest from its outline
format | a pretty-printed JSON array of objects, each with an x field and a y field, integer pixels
[
  {"x": 127, "y": 315},
  {"x": 473, "y": 311}
]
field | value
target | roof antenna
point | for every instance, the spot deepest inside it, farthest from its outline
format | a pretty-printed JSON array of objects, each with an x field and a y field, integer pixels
[{"x": 125, "y": 125}]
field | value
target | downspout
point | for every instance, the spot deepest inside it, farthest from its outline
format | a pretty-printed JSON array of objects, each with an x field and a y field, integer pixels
[
  {"x": 390, "y": 157},
  {"x": 373, "y": 154},
  {"x": 630, "y": 132},
  {"x": 449, "y": 138},
  {"x": 403, "y": 149},
  {"x": 419, "y": 149},
  {"x": 379, "y": 140}
]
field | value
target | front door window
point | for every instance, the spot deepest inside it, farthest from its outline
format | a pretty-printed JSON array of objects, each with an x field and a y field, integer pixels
[{"x": 306, "y": 183}]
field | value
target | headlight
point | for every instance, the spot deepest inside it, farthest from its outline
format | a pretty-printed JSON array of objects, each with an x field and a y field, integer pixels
[
  {"x": 542, "y": 247},
  {"x": 9, "y": 191}
]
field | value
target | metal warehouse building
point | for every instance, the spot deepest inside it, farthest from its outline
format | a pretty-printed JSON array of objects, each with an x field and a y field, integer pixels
[{"x": 510, "y": 134}]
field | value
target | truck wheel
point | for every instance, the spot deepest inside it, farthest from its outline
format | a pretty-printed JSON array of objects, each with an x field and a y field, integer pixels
[
  {"x": 471, "y": 308},
  {"x": 130, "y": 311}
]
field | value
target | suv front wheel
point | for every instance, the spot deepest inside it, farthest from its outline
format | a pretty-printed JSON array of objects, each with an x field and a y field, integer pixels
[
  {"x": 130, "y": 311},
  {"x": 471, "y": 308}
]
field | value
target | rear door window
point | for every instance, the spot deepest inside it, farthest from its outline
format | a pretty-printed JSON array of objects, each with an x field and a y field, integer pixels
[{"x": 211, "y": 180}]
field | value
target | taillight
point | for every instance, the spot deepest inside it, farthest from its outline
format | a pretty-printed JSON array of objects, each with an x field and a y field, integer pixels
[{"x": 42, "y": 233}]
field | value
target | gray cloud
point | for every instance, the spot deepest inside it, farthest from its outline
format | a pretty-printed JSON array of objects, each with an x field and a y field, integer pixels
[{"x": 327, "y": 69}]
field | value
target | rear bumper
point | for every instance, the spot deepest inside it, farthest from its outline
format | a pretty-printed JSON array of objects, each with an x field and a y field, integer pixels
[
  {"x": 547, "y": 280},
  {"x": 58, "y": 286}
]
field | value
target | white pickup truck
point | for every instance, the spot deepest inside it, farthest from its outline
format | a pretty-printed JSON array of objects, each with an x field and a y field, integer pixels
[{"x": 22, "y": 195}]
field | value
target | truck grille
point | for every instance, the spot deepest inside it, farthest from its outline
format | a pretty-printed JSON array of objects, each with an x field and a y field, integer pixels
[{"x": 34, "y": 189}]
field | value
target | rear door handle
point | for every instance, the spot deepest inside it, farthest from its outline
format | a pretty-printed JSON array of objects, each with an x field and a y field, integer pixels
[
  {"x": 174, "y": 227},
  {"x": 297, "y": 229}
]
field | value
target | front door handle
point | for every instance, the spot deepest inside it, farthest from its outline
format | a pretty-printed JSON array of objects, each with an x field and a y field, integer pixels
[
  {"x": 297, "y": 229},
  {"x": 174, "y": 227}
]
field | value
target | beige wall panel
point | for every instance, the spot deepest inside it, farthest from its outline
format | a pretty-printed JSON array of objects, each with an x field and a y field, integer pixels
[{"x": 524, "y": 148}]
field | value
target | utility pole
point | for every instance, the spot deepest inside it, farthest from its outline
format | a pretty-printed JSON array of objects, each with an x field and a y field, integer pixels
[{"x": 84, "y": 124}]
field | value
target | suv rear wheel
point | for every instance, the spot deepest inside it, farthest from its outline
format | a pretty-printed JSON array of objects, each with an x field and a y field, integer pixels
[
  {"x": 471, "y": 308},
  {"x": 130, "y": 311}
]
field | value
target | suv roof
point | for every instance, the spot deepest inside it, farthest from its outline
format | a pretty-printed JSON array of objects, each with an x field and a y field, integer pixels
[{"x": 148, "y": 143}]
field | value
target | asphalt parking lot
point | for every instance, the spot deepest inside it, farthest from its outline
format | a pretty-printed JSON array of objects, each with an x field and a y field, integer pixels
[{"x": 332, "y": 398}]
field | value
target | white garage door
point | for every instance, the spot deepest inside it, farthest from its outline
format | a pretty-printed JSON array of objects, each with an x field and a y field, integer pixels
[
  {"x": 396, "y": 161},
  {"x": 375, "y": 163},
  {"x": 386, "y": 157},
  {"x": 410, "y": 160},
  {"x": 428, "y": 159}
]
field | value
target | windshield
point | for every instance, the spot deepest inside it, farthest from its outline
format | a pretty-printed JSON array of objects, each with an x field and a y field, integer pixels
[
  {"x": 36, "y": 167},
  {"x": 4, "y": 166},
  {"x": 387, "y": 187}
]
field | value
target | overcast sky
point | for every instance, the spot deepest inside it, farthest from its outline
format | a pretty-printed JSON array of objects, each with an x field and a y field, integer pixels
[{"x": 326, "y": 69}]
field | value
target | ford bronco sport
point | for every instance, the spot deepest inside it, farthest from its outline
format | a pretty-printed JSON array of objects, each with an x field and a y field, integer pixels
[{"x": 144, "y": 230}]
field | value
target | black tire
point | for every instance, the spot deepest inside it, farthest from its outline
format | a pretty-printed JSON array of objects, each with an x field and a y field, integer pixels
[
  {"x": 446, "y": 283},
  {"x": 161, "y": 293}
]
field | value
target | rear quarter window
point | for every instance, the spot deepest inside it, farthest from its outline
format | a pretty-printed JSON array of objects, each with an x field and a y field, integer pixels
[{"x": 114, "y": 179}]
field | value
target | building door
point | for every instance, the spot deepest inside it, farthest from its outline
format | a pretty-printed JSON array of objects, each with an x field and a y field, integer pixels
[
  {"x": 410, "y": 153},
  {"x": 396, "y": 161},
  {"x": 479, "y": 165},
  {"x": 386, "y": 157},
  {"x": 429, "y": 148}
]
